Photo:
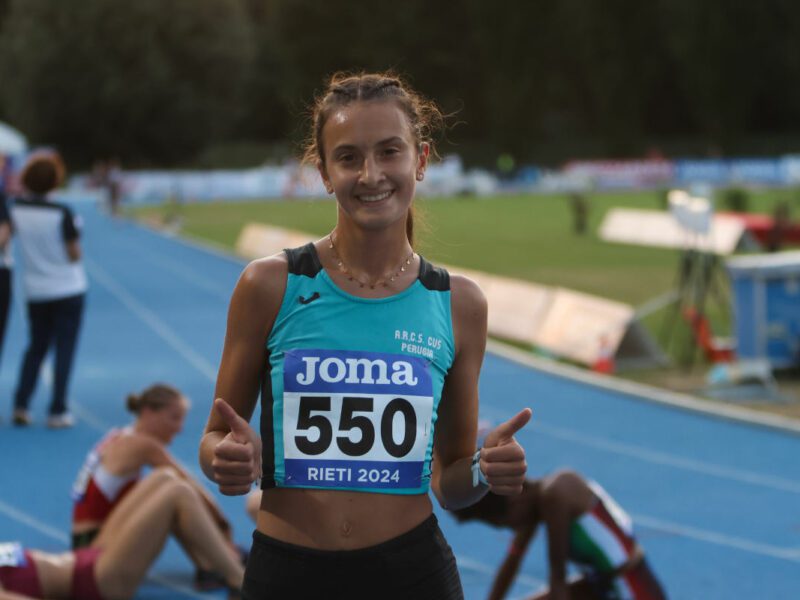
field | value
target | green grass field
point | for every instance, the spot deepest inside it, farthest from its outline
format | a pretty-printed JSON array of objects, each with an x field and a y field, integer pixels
[{"x": 526, "y": 236}]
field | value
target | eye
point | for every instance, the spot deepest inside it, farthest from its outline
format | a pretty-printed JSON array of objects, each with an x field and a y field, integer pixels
[
  {"x": 391, "y": 151},
  {"x": 346, "y": 157}
]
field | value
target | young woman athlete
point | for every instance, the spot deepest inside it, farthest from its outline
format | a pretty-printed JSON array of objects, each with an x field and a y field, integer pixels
[
  {"x": 114, "y": 466},
  {"x": 117, "y": 560},
  {"x": 367, "y": 360},
  {"x": 584, "y": 526}
]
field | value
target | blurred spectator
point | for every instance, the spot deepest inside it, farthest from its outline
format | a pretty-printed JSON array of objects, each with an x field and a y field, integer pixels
[
  {"x": 114, "y": 183},
  {"x": 54, "y": 281},
  {"x": 580, "y": 212},
  {"x": 781, "y": 221},
  {"x": 6, "y": 176}
]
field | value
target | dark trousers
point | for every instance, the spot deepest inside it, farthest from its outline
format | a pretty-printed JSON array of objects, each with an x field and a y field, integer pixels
[
  {"x": 53, "y": 322},
  {"x": 5, "y": 302}
]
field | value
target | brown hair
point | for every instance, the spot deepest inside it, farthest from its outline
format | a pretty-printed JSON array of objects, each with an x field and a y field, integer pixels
[
  {"x": 155, "y": 397},
  {"x": 43, "y": 172},
  {"x": 342, "y": 89}
]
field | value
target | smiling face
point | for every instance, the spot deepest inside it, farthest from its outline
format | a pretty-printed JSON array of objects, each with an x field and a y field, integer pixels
[{"x": 371, "y": 162}]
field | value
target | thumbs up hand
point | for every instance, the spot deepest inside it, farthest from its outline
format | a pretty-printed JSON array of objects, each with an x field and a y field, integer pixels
[
  {"x": 237, "y": 458},
  {"x": 503, "y": 459}
]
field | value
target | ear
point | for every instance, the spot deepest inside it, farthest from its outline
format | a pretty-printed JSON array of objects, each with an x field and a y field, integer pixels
[
  {"x": 323, "y": 172},
  {"x": 422, "y": 159}
]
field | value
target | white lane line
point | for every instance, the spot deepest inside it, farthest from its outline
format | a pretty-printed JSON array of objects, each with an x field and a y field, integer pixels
[
  {"x": 470, "y": 564},
  {"x": 195, "y": 243},
  {"x": 147, "y": 316},
  {"x": 663, "y": 458},
  {"x": 87, "y": 417},
  {"x": 61, "y": 537},
  {"x": 34, "y": 523},
  {"x": 187, "y": 274},
  {"x": 645, "y": 392},
  {"x": 718, "y": 539},
  {"x": 651, "y": 456}
]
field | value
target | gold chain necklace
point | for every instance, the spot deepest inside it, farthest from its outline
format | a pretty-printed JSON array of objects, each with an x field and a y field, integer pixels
[{"x": 384, "y": 281}]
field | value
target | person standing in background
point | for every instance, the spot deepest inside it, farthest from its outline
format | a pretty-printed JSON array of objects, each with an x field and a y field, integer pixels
[
  {"x": 5, "y": 250},
  {"x": 54, "y": 281}
]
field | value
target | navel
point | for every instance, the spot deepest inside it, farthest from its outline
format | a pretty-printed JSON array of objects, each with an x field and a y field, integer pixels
[{"x": 346, "y": 528}]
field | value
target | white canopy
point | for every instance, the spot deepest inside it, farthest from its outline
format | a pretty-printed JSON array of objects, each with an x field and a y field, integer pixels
[{"x": 11, "y": 140}]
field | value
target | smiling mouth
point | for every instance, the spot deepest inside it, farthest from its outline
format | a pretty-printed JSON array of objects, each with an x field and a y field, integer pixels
[{"x": 374, "y": 197}]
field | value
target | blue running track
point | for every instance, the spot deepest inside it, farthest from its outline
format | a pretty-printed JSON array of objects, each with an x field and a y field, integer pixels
[{"x": 716, "y": 502}]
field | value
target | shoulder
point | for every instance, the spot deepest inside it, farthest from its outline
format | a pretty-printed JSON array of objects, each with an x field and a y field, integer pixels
[
  {"x": 131, "y": 441},
  {"x": 467, "y": 298},
  {"x": 259, "y": 292},
  {"x": 41, "y": 206},
  {"x": 264, "y": 271},
  {"x": 565, "y": 487},
  {"x": 129, "y": 451}
]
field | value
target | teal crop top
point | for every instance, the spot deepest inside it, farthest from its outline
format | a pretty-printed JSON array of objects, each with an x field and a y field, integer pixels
[{"x": 353, "y": 384}]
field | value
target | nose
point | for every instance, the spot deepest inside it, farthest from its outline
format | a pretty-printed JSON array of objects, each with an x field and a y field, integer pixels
[{"x": 371, "y": 171}]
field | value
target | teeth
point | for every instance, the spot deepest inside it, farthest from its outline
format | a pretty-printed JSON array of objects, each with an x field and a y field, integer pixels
[{"x": 375, "y": 198}]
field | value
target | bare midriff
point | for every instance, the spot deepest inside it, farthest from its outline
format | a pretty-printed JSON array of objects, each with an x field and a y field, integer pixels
[{"x": 339, "y": 520}]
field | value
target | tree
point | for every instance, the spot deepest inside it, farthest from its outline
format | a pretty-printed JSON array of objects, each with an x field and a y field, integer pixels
[{"x": 150, "y": 81}]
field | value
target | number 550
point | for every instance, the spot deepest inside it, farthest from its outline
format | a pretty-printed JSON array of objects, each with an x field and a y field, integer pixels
[{"x": 349, "y": 420}]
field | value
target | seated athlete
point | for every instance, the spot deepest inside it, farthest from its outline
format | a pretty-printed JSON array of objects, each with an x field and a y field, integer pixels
[
  {"x": 584, "y": 526},
  {"x": 116, "y": 561},
  {"x": 114, "y": 466}
]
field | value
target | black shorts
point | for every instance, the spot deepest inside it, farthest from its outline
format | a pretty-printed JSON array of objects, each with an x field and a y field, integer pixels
[{"x": 418, "y": 565}]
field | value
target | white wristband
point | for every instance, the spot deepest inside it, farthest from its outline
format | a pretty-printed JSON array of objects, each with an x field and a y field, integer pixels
[{"x": 477, "y": 474}]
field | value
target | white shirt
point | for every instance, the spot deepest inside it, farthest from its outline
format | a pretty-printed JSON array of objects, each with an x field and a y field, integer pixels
[{"x": 42, "y": 229}]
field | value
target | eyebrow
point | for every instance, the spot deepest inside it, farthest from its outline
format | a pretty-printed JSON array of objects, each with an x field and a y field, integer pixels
[{"x": 390, "y": 140}]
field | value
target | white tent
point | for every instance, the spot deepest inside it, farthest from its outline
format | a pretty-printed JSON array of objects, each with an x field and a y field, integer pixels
[{"x": 11, "y": 141}]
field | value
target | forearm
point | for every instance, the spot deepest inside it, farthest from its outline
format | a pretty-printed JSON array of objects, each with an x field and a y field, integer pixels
[
  {"x": 455, "y": 485},
  {"x": 504, "y": 577}
]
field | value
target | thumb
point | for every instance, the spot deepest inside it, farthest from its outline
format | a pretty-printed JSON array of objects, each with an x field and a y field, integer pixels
[
  {"x": 503, "y": 433},
  {"x": 240, "y": 429}
]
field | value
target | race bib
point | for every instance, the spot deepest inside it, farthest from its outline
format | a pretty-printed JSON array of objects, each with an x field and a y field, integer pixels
[
  {"x": 355, "y": 419},
  {"x": 12, "y": 555}
]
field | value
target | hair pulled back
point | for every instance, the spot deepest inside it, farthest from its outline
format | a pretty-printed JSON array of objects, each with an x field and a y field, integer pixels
[
  {"x": 155, "y": 397},
  {"x": 342, "y": 89}
]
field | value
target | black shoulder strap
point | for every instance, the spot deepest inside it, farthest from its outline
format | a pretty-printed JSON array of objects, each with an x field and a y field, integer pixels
[
  {"x": 433, "y": 278},
  {"x": 303, "y": 260}
]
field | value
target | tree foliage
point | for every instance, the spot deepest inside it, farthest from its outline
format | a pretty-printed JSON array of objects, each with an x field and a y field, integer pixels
[
  {"x": 546, "y": 80},
  {"x": 147, "y": 80}
]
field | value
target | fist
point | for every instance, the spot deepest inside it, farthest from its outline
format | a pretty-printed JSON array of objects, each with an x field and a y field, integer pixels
[
  {"x": 503, "y": 459},
  {"x": 237, "y": 458}
]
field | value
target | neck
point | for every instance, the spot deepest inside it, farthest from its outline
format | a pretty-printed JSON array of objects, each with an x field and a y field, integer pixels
[{"x": 371, "y": 253}]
